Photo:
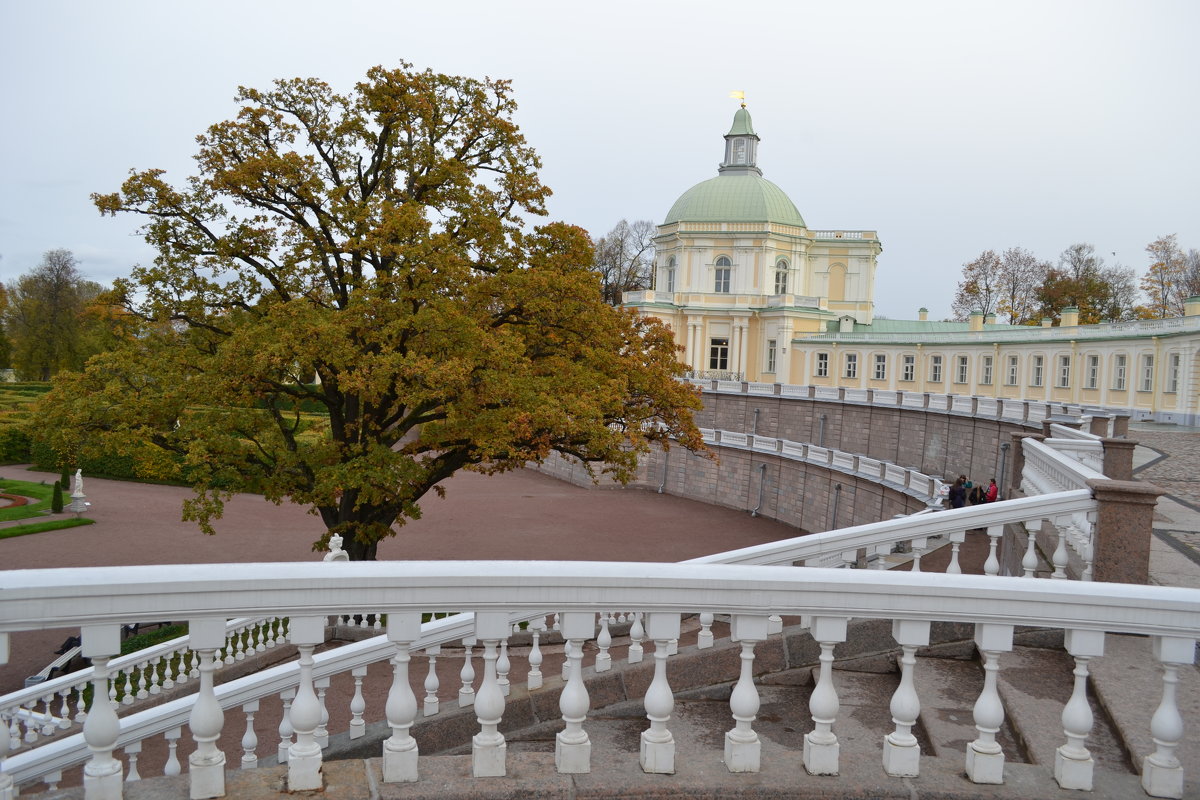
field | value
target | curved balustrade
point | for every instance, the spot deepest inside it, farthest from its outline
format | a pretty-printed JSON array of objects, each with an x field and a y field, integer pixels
[
  {"x": 497, "y": 594},
  {"x": 47, "y": 708}
]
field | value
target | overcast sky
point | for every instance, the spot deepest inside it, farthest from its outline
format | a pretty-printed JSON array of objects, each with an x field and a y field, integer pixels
[{"x": 949, "y": 128}]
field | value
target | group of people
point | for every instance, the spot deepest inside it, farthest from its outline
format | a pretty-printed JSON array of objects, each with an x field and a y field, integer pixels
[{"x": 963, "y": 491}]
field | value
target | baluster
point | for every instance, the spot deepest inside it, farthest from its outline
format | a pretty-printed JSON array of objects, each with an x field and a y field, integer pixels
[
  {"x": 239, "y": 644},
  {"x": 322, "y": 732},
  {"x": 170, "y": 669},
  {"x": 269, "y": 628},
  {"x": 956, "y": 541},
  {"x": 556, "y": 625},
  {"x": 14, "y": 731},
  {"x": 304, "y": 756},
  {"x": 112, "y": 690},
  {"x": 821, "y": 746},
  {"x": 985, "y": 759},
  {"x": 901, "y": 750},
  {"x": 657, "y": 753},
  {"x": 466, "y": 694},
  {"x": 1073, "y": 764},
  {"x": 101, "y": 774},
  {"x": 6, "y": 781},
  {"x": 207, "y": 763},
  {"x": 1162, "y": 776},
  {"x": 31, "y": 726},
  {"x": 1029, "y": 562},
  {"x": 400, "y": 751},
  {"x": 193, "y": 665},
  {"x": 51, "y": 780},
  {"x": 285, "y": 725},
  {"x": 432, "y": 683},
  {"x": 488, "y": 747},
  {"x": 80, "y": 706},
  {"x": 992, "y": 565},
  {"x": 534, "y": 679},
  {"x": 49, "y": 724},
  {"x": 503, "y": 665},
  {"x": 358, "y": 727},
  {"x": 704, "y": 639},
  {"x": 742, "y": 747},
  {"x": 143, "y": 687},
  {"x": 919, "y": 546},
  {"x": 572, "y": 746},
  {"x": 774, "y": 624},
  {"x": 250, "y": 738},
  {"x": 1060, "y": 557},
  {"x": 64, "y": 710},
  {"x": 227, "y": 651},
  {"x": 881, "y": 553},
  {"x": 637, "y": 634},
  {"x": 129, "y": 693},
  {"x": 603, "y": 641},
  {"x": 566, "y": 664},
  {"x": 172, "y": 765}
]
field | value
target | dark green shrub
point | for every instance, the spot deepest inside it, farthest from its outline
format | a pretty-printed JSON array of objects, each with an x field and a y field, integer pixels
[
  {"x": 14, "y": 445},
  {"x": 56, "y": 504},
  {"x": 65, "y": 479}
]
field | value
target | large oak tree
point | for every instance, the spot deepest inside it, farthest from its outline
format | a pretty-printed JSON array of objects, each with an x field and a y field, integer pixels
[{"x": 366, "y": 256}]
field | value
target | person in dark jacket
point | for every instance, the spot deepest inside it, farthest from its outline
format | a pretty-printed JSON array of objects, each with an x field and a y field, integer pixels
[{"x": 958, "y": 493}]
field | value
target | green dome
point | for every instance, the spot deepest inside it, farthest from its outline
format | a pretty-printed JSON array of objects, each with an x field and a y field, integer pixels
[{"x": 735, "y": 198}]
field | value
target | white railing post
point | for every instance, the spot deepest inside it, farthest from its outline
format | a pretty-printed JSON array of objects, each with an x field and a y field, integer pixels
[
  {"x": 285, "y": 725},
  {"x": 742, "y": 748},
  {"x": 603, "y": 661},
  {"x": 572, "y": 746},
  {"x": 1029, "y": 562},
  {"x": 250, "y": 738},
  {"x": 172, "y": 766},
  {"x": 657, "y": 744},
  {"x": 488, "y": 748},
  {"x": 503, "y": 665},
  {"x": 400, "y": 752},
  {"x": 704, "y": 639},
  {"x": 956, "y": 541},
  {"x": 901, "y": 751},
  {"x": 992, "y": 565},
  {"x": 637, "y": 634},
  {"x": 102, "y": 774},
  {"x": 1073, "y": 764},
  {"x": 6, "y": 781},
  {"x": 132, "y": 751},
  {"x": 358, "y": 726},
  {"x": 534, "y": 679},
  {"x": 1162, "y": 776},
  {"x": 304, "y": 756},
  {"x": 432, "y": 683},
  {"x": 821, "y": 744},
  {"x": 322, "y": 733},
  {"x": 985, "y": 759},
  {"x": 466, "y": 692},
  {"x": 206, "y": 766}
]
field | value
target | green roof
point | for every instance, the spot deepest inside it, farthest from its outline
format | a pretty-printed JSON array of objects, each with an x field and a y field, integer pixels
[
  {"x": 737, "y": 197},
  {"x": 918, "y": 326},
  {"x": 742, "y": 126}
]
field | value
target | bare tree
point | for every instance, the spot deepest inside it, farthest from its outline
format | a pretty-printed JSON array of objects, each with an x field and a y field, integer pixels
[
  {"x": 1191, "y": 278},
  {"x": 1017, "y": 279},
  {"x": 979, "y": 290},
  {"x": 625, "y": 259},
  {"x": 1166, "y": 278}
]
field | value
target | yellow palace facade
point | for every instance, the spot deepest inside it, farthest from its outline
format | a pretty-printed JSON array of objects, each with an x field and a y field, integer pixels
[{"x": 753, "y": 294}]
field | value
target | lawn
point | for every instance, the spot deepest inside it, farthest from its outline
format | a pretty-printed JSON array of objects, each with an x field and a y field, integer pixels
[{"x": 41, "y": 492}]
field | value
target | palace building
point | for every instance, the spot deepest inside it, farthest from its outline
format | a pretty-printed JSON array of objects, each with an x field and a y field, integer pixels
[{"x": 753, "y": 294}]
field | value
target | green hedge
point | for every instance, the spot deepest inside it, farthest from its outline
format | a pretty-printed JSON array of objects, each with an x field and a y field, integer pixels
[{"x": 14, "y": 445}]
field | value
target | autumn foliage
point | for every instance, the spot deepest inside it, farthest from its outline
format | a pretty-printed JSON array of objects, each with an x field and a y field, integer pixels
[{"x": 366, "y": 257}]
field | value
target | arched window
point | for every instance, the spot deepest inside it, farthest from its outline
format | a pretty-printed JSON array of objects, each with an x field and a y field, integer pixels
[
  {"x": 724, "y": 269},
  {"x": 670, "y": 276},
  {"x": 781, "y": 277}
]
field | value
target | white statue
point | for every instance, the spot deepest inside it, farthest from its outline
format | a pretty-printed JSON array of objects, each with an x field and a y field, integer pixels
[
  {"x": 336, "y": 553},
  {"x": 78, "y": 487}
]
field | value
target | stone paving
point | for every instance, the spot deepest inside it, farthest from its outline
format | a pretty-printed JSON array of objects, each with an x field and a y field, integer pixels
[{"x": 1169, "y": 457}]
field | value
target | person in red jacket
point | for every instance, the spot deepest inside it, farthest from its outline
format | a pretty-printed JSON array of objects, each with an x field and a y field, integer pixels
[{"x": 993, "y": 491}]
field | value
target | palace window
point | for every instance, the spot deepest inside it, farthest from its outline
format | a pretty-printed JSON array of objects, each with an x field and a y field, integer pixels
[
  {"x": 909, "y": 372},
  {"x": 1173, "y": 373},
  {"x": 851, "y": 370},
  {"x": 935, "y": 369},
  {"x": 1119, "y": 374},
  {"x": 722, "y": 274},
  {"x": 1011, "y": 378},
  {"x": 985, "y": 377},
  {"x": 822, "y": 370},
  {"x": 781, "y": 275},
  {"x": 670, "y": 275},
  {"x": 1093, "y": 372},
  {"x": 770, "y": 355},
  {"x": 880, "y": 367},
  {"x": 1147, "y": 373},
  {"x": 1038, "y": 364},
  {"x": 1064, "y": 371},
  {"x": 960, "y": 372},
  {"x": 718, "y": 353}
]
